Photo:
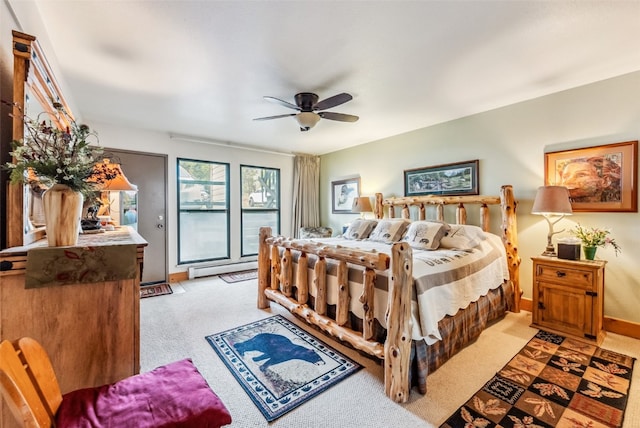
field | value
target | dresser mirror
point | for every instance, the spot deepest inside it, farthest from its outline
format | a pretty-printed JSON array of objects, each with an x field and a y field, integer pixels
[{"x": 35, "y": 91}]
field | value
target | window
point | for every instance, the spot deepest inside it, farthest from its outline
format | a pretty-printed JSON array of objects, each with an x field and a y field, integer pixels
[
  {"x": 260, "y": 204},
  {"x": 203, "y": 213}
]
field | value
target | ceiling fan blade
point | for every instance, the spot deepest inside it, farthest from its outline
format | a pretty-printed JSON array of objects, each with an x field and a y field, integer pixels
[
  {"x": 333, "y": 101},
  {"x": 338, "y": 116},
  {"x": 275, "y": 117},
  {"x": 282, "y": 102}
]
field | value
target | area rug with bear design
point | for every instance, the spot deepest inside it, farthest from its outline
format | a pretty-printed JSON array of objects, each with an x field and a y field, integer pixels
[
  {"x": 554, "y": 381},
  {"x": 279, "y": 365}
]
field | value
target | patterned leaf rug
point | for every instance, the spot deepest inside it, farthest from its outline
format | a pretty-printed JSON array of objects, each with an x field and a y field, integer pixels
[
  {"x": 279, "y": 365},
  {"x": 552, "y": 382}
]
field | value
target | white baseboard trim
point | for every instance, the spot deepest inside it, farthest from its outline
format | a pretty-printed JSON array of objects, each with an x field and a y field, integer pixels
[{"x": 200, "y": 271}]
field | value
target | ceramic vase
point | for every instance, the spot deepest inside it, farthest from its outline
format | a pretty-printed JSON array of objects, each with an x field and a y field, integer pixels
[
  {"x": 590, "y": 252},
  {"x": 62, "y": 212}
]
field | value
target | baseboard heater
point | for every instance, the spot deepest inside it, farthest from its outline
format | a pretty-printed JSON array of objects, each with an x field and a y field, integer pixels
[{"x": 200, "y": 271}]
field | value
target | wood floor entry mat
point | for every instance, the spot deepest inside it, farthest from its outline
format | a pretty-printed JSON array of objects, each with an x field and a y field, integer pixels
[
  {"x": 239, "y": 276},
  {"x": 155, "y": 290}
]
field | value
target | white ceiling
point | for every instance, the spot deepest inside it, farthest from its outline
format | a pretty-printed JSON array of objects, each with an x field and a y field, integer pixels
[{"x": 201, "y": 68}]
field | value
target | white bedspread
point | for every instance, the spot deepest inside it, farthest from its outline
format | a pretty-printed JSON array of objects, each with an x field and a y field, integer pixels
[{"x": 445, "y": 281}]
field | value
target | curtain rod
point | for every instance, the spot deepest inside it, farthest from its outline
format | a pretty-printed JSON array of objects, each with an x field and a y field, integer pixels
[{"x": 227, "y": 144}]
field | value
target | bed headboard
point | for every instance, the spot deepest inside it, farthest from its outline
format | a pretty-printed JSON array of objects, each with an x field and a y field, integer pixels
[{"x": 508, "y": 229}]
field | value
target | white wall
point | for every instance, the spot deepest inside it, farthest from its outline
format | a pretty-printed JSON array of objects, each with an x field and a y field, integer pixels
[
  {"x": 145, "y": 141},
  {"x": 118, "y": 137},
  {"x": 510, "y": 143}
]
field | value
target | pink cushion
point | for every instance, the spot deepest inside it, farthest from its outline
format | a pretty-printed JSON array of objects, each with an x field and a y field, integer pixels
[{"x": 174, "y": 395}]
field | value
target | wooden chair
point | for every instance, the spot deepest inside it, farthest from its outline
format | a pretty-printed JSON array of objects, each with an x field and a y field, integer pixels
[{"x": 175, "y": 394}]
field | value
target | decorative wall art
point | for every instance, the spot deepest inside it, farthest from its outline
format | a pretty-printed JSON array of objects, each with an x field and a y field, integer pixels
[
  {"x": 600, "y": 178},
  {"x": 342, "y": 194},
  {"x": 449, "y": 179}
]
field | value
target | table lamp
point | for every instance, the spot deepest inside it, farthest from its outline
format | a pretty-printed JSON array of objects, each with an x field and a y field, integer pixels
[
  {"x": 112, "y": 179},
  {"x": 361, "y": 204},
  {"x": 551, "y": 202}
]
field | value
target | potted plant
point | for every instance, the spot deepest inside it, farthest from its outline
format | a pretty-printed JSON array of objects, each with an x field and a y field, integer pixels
[
  {"x": 592, "y": 238},
  {"x": 64, "y": 161}
]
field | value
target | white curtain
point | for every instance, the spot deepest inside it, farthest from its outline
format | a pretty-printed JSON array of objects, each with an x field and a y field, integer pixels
[{"x": 306, "y": 192}]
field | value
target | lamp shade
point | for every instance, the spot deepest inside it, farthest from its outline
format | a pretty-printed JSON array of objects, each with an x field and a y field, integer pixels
[
  {"x": 116, "y": 179},
  {"x": 552, "y": 200},
  {"x": 361, "y": 204}
]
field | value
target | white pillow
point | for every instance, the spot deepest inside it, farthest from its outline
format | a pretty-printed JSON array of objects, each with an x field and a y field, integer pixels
[
  {"x": 359, "y": 229},
  {"x": 463, "y": 237},
  {"x": 389, "y": 230},
  {"x": 425, "y": 235}
]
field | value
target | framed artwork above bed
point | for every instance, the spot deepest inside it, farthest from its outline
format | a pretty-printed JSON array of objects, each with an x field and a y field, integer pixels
[
  {"x": 343, "y": 192},
  {"x": 450, "y": 179}
]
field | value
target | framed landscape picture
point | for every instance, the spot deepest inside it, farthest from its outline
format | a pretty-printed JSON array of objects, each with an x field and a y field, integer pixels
[
  {"x": 600, "y": 178},
  {"x": 446, "y": 180},
  {"x": 342, "y": 194}
]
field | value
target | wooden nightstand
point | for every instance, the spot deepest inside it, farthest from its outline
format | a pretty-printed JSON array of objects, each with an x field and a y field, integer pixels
[{"x": 568, "y": 297}]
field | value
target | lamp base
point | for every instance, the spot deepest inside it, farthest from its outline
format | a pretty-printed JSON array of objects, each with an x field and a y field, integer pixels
[{"x": 550, "y": 251}]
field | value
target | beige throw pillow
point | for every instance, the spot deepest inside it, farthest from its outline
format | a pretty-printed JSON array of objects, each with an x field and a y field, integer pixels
[
  {"x": 425, "y": 235},
  {"x": 389, "y": 230},
  {"x": 463, "y": 237},
  {"x": 359, "y": 229}
]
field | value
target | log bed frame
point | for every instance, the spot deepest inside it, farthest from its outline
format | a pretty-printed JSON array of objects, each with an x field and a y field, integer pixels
[{"x": 276, "y": 280}]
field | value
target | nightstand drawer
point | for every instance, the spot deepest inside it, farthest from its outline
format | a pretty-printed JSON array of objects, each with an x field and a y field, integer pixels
[{"x": 573, "y": 276}]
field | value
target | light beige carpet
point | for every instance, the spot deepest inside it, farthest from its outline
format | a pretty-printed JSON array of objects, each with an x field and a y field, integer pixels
[{"x": 175, "y": 326}]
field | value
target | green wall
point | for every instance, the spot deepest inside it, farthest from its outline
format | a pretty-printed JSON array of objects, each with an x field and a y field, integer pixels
[{"x": 510, "y": 143}]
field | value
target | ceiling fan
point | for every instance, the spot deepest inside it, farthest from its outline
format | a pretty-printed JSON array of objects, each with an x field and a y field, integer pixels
[{"x": 309, "y": 108}]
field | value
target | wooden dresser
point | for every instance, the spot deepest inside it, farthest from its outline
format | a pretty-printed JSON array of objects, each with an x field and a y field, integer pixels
[
  {"x": 568, "y": 297},
  {"x": 90, "y": 329}
]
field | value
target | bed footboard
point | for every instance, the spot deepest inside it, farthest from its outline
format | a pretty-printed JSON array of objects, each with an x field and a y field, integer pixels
[{"x": 276, "y": 282}]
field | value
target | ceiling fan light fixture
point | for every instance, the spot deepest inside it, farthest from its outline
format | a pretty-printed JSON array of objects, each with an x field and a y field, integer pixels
[
  {"x": 307, "y": 119},
  {"x": 310, "y": 110}
]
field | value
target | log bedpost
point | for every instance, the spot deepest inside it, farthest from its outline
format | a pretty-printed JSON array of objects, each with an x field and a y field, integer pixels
[
  {"x": 287, "y": 273},
  {"x": 405, "y": 211},
  {"x": 320, "y": 279},
  {"x": 275, "y": 268},
  {"x": 397, "y": 348},
  {"x": 461, "y": 214},
  {"x": 422, "y": 212},
  {"x": 302, "y": 284},
  {"x": 484, "y": 217},
  {"x": 367, "y": 300},
  {"x": 510, "y": 241},
  {"x": 342, "y": 307},
  {"x": 440, "y": 212},
  {"x": 263, "y": 267},
  {"x": 379, "y": 207}
]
